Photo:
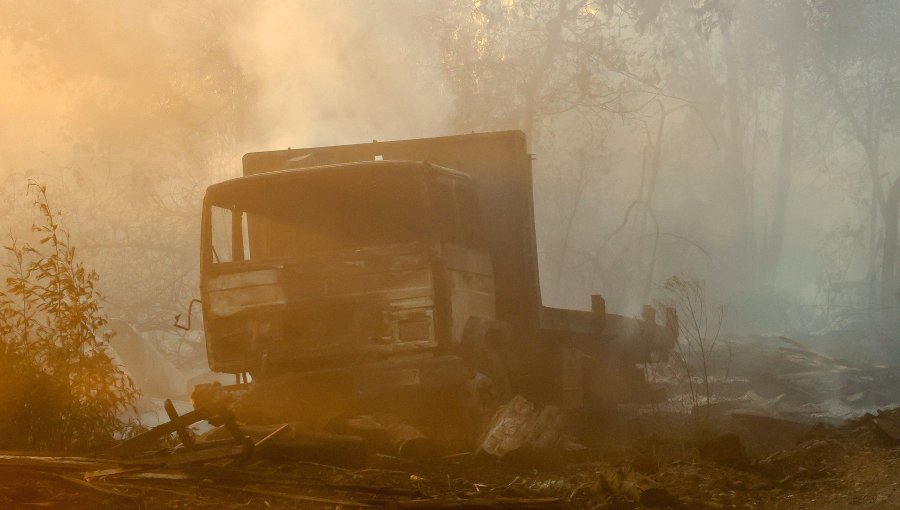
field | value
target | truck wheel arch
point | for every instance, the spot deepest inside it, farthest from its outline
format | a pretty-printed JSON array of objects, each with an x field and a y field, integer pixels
[{"x": 492, "y": 332}]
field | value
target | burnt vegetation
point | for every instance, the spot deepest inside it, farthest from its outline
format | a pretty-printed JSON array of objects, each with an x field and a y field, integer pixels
[{"x": 61, "y": 389}]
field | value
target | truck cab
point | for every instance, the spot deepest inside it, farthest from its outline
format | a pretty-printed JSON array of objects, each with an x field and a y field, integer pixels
[{"x": 340, "y": 265}]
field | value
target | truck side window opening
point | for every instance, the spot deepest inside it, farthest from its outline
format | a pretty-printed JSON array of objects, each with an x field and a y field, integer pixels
[
  {"x": 245, "y": 230},
  {"x": 256, "y": 237},
  {"x": 220, "y": 223}
]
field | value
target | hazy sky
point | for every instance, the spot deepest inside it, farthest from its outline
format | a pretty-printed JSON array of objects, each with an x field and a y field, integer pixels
[{"x": 127, "y": 109}]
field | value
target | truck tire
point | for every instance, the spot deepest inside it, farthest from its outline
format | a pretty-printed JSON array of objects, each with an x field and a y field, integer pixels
[{"x": 486, "y": 387}]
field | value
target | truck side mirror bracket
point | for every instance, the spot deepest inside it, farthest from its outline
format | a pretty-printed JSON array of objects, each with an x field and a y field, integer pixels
[{"x": 187, "y": 327}]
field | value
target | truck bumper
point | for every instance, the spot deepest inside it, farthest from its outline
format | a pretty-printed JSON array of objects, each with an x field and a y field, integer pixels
[
  {"x": 319, "y": 395},
  {"x": 390, "y": 376}
]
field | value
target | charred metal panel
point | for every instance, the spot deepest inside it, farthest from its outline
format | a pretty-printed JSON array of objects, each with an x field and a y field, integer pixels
[
  {"x": 471, "y": 295},
  {"x": 226, "y": 303},
  {"x": 628, "y": 339},
  {"x": 242, "y": 279},
  {"x": 575, "y": 321},
  {"x": 470, "y": 285},
  {"x": 350, "y": 305}
]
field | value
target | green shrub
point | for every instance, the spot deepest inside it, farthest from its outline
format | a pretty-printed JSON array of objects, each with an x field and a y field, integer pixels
[{"x": 60, "y": 389}]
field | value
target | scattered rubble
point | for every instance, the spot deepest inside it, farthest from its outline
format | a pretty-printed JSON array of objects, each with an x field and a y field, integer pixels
[
  {"x": 518, "y": 426},
  {"x": 773, "y": 446},
  {"x": 887, "y": 423},
  {"x": 826, "y": 467},
  {"x": 783, "y": 378}
]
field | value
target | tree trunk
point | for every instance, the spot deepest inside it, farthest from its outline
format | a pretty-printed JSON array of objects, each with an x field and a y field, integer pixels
[
  {"x": 647, "y": 210},
  {"x": 734, "y": 162},
  {"x": 868, "y": 136},
  {"x": 889, "y": 250},
  {"x": 790, "y": 68}
]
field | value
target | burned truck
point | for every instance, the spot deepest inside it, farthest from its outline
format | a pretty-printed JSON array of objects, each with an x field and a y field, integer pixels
[{"x": 404, "y": 267}]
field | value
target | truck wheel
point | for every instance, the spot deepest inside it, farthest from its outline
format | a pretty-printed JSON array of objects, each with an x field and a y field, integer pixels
[{"x": 486, "y": 386}]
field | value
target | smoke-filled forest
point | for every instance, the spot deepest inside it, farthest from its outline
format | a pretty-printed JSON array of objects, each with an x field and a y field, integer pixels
[{"x": 732, "y": 162}]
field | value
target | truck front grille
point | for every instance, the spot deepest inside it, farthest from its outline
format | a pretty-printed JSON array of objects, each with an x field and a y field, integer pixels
[{"x": 329, "y": 324}]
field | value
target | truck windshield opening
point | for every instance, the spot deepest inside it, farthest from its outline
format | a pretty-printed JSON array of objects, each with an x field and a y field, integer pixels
[{"x": 294, "y": 216}]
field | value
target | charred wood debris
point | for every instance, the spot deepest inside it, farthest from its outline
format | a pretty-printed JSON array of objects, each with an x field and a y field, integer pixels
[{"x": 767, "y": 443}]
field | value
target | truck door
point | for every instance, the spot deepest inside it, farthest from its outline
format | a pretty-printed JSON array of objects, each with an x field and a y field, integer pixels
[{"x": 467, "y": 268}]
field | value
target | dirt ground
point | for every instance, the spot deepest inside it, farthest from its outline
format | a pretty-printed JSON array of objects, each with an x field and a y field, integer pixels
[{"x": 648, "y": 462}]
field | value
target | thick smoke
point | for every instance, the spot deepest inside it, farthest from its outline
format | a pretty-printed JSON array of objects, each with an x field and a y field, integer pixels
[
  {"x": 128, "y": 109},
  {"x": 329, "y": 73}
]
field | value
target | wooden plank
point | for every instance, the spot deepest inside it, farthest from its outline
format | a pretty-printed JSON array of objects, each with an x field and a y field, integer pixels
[
  {"x": 183, "y": 435},
  {"x": 146, "y": 439},
  {"x": 205, "y": 455}
]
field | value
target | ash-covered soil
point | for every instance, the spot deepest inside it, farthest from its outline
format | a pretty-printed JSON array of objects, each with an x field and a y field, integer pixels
[{"x": 656, "y": 461}]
